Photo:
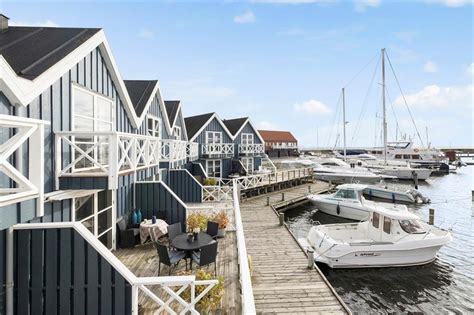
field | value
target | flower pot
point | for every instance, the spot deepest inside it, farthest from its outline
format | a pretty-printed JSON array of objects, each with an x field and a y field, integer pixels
[{"x": 221, "y": 233}]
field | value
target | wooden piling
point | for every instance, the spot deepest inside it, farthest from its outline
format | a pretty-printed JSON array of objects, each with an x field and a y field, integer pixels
[
  {"x": 281, "y": 216},
  {"x": 431, "y": 217},
  {"x": 282, "y": 196},
  {"x": 414, "y": 175}
]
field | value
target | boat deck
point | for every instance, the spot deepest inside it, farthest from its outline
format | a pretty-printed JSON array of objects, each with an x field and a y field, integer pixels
[{"x": 281, "y": 281}]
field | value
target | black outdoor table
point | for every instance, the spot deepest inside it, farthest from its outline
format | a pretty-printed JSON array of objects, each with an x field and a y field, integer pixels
[{"x": 181, "y": 242}]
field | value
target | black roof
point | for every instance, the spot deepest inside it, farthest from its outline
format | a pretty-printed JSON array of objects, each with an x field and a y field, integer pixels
[
  {"x": 172, "y": 110},
  {"x": 235, "y": 124},
  {"x": 32, "y": 50},
  {"x": 194, "y": 123},
  {"x": 140, "y": 92}
]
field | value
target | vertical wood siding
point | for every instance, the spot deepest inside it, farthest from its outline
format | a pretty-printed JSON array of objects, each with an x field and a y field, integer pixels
[
  {"x": 185, "y": 186},
  {"x": 154, "y": 197},
  {"x": 60, "y": 273}
]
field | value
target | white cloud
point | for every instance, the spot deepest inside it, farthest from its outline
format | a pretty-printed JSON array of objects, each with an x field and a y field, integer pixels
[
  {"x": 440, "y": 97},
  {"x": 470, "y": 69},
  {"x": 406, "y": 36},
  {"x": 402, "y": 55},
  {"x": 266, "y": 125},
  {"x": 145, "y": 33},
  {"x": 362, "y": 5},
  {"x": 312, "y": 107},
  {"x": 245, "y": 18},
  {"x": 430, "y": 67},
  {"x": 452, "y": 3},
  {"x": 201, "y": 89},
  {"x": 47, "y": 23}
]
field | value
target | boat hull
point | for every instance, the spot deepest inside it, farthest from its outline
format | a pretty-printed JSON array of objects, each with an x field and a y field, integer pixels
[
  {"x": 388, "y": 195},
  {"x": 348, "y": 210},
  {"x": 422, "y": 174},
  {"x": 347, "y": 179}
]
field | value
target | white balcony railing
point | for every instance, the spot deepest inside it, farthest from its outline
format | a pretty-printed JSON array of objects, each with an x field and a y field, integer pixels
[
  {"x": 192, "y": 150},
  {"x": 104, "y": 154},
  {"x": 285, "y": 146},
  {"x": 218, "y": 149},
  {"x": 173, "y": 150},
  {"x": 255, "y": 148},
  {"x": 15, "y": 133}
]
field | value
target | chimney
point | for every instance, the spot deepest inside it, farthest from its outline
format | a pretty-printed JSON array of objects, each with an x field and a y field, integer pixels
[{"x": 3, "y": 23}]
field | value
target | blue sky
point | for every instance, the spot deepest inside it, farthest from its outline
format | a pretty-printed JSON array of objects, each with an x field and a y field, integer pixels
[{"x": 284, "y": 62}]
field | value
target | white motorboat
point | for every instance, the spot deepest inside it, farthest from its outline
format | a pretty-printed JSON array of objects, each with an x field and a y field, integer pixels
[
  {"x": 410, "y": 196},
  {"x": 388, "y": 239},
  {"x": 348, "y": 202},
  {"x": 402, "y": 172}
]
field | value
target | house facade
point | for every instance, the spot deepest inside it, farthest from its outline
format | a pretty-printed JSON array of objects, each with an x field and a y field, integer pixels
[
  {"x": 78, "y": 144},
  {"x": 216, "y": 145},
  {"x": 279, "y": 143},
  {"x": 248, "y": 145}
]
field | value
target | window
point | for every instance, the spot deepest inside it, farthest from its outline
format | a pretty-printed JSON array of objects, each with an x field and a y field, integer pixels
[
  {"x": 153, "y": 126},
  {"x": 411, "y": 227},
  {"x": 213, "y": 168},
  {"x": 415, "y": 157},
  {"x": 95, "y": 212},
  {"x": 346, "y": 194},
  {"x": 386, "y": 224},
  {"x": 213, "y": 137},
  {"x": 248, "y": 164},
  {"x": 92, "y": 112},
  {"x": 177, "y": 132},
  {"x": 247, "y": 138},
  {"x": 398, "y": 156},
  {"x": 406, "y": 156},
  {"x": 375, "y": 220}
]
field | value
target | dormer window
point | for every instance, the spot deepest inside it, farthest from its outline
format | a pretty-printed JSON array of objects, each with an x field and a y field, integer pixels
[
  {"x": 153, "y": 126},
  {"x": 213, "y": 137},
  {"x": 247, "y": 139},
  {"x": 177, "y": 132}
]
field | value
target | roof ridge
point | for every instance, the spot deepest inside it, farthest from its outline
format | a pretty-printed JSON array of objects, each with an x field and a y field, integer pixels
[{"x": 6, "y": 46}]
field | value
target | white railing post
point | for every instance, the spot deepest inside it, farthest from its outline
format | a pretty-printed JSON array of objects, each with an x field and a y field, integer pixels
[
  {"x": 113, "y": 161},
  {"x": 134, "y": 300}
]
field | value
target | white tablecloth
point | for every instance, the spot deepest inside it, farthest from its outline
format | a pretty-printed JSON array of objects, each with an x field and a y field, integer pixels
[{"x": 154, "y": 231}]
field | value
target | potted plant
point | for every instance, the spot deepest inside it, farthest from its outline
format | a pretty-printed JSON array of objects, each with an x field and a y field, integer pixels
[
  {"x": 222, "y": 219},
  {"x": 197, "y": 222},
  {"x": 211, "y": 301},
  {"x": 209, "y": 182}
]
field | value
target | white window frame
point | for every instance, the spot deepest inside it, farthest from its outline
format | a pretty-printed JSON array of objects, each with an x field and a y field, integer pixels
[
  {"x": 95, "y": 120},
  {"x": 177, "y": 132},
  {"x": 248, "y": 161},
  {"x": 95, "y": 215},
  {"x": 211, "y": 135},
  {"x": 211, "y": 164},
  {"x": 247, "y": 139},
  {"x": 156, "y": 123}
]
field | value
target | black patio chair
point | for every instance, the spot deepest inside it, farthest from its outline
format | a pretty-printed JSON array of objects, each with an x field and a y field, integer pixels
[
  {"x": 206, "y": 256},
  {"x": 212, "y": 229},
  {"x": 127, "y": 236},
  {"x": 169, "y": 258},
  {"x": 173, "y": 231}
]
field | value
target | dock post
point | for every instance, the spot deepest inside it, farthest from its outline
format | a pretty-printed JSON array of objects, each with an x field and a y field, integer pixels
[
  {"x": 414, "y": 175},
  {"x": 268, "y": 200},
  {"x": 310, "y": 253},
  {"x": 309, "y": 188},
  {"x": 282, "y": 196},
  {"x": 281, "y": 216},
  {"x": 431, "y": 217}
]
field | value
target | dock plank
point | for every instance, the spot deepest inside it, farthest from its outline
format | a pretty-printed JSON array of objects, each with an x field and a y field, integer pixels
[{"x": 281, "y": 281}]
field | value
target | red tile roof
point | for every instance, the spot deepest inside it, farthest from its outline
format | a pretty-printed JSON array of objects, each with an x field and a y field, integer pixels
[{"x": 277, "y": 136}]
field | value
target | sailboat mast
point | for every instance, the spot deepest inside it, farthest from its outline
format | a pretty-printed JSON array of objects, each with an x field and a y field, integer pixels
[
  {"x": 344, "y": 120},
  {"x": 384, "y": 109}
]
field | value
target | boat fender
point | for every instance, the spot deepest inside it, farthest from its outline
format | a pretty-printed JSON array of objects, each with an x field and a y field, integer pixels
[
  {"x": 338, "y": 209},
  {"x": 393, "y": 197}
]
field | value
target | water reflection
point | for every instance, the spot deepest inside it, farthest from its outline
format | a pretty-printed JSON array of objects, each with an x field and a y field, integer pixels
[{"x": 443, "y": 286}]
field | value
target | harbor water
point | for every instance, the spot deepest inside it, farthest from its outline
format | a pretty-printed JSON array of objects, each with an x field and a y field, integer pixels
[{"x": 443, "y": 286}]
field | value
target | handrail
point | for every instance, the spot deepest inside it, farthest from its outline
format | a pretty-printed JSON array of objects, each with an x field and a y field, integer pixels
[
  {"x": 136, "y": 282},
  {"x": 248, "y": 303}
]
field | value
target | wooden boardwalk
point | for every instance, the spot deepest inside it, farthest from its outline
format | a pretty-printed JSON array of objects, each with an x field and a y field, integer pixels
[
  {"x": 281, "y": 281},
  {"x": 143, "y": 262}
]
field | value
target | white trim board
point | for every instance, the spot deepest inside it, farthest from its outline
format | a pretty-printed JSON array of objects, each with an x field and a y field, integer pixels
[{"x": 214, "y": 115}]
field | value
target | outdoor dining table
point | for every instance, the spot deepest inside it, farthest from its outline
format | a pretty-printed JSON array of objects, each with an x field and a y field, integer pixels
[
  {"x": 152, "y": 230},
  {"x": 181, "y": 242}
]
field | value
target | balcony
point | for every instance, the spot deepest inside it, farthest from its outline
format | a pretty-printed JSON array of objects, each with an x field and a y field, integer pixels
[
  {"x": 192, "y": 150},
  {"x": 104, "y": 154},
  {"x": 24, "y": 136},
  {"x": 251, "y": 149},
  {"x": 217, "y": 150},
  {"x": 173, "y": 150},
  {"x": 289, "y": 146}
]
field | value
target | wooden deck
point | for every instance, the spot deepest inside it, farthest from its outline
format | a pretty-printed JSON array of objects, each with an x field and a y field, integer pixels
[
  {"x": 281, "y": 281},
  {"x": 143, "y": 262}
]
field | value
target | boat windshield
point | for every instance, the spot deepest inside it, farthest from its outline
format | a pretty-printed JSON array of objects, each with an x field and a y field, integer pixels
[
  {"x": 346, "y": 194},
  {"x": 411, "y": 227}
]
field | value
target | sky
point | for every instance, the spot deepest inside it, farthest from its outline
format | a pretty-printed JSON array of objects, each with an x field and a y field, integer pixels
[{"x": 283, "y": 63}]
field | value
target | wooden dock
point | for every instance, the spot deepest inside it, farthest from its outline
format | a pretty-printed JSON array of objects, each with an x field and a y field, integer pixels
[{"x": 281, "y": 281}]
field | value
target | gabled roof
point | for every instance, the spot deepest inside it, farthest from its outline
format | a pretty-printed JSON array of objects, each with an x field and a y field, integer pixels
[
  {"x": 30, "y": 51},
  {"x": 234, "y": 125},
  {"x": 172, "y": 109},
  {"x": 196, "y": 123},
  {"x": 277, "y": 136},
  {"x": 141, "y": 92}
]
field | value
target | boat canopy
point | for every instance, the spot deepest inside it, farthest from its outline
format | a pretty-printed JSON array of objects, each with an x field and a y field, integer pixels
[
  {"x": 357, "y": 187},
  {"x": 396, "y": 215}
]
